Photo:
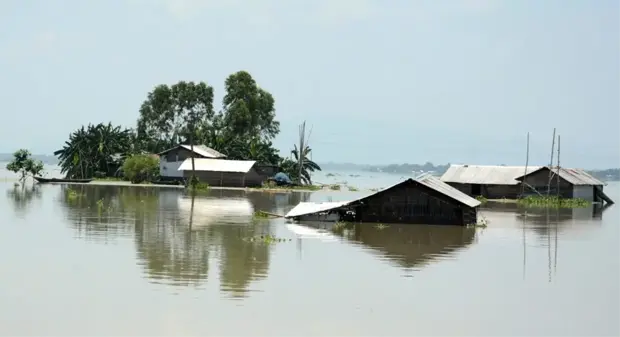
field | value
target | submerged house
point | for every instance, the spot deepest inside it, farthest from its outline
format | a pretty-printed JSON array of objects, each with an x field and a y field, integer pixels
[
  {"x": 170, "y": 160},
  {"x": 489, "y": 181},
  {"x": 224, "y": 172},
  {"x": 573, "y": 183},
  {"x": 424, "y": 200}
]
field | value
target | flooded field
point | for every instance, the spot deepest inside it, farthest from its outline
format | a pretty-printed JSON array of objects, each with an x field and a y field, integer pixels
[{"x": 106, "y": 260}]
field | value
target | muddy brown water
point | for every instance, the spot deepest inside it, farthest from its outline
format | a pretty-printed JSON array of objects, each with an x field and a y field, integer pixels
[{"x": 107, "y": 260}]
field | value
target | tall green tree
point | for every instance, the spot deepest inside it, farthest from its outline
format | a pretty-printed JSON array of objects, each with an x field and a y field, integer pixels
[
  {"x": 175, "y": 113},
  {"x": 246, "y": 125},
  {"x": 249, "y": 111},
  {"x": 24, "y": 165},
  {"x": 95, "y": 149}
]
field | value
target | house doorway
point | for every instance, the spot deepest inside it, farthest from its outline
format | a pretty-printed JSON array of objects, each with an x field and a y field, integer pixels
[{"x": 476, "y": 190}]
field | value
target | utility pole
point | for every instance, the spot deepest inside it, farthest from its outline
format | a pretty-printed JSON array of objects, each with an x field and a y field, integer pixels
[
  {"x": 527, "y": 160},
  {"x": 551, "y": 164},
  {"x": 558, "y": 169}
]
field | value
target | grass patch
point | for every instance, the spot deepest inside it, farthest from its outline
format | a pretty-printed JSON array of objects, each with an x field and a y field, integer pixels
[
  {"x": 353, "y": 188},
  {"x": 555, "y": 202},
  {"x": 334, "y": 187},
  {"x": 109, "y": 179},
  {"x": 482, "y": 199},
  {"x": 198, "y": 187},
  {"x": 275, "y": 187}
]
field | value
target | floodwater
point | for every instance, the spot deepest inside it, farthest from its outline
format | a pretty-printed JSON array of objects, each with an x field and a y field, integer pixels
[{"x": 106, "y": 260}]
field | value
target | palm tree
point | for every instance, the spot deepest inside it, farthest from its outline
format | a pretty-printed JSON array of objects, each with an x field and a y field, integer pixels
[
  {"x": 94, "y": 149},
  {"x": 306, "y": 166}
]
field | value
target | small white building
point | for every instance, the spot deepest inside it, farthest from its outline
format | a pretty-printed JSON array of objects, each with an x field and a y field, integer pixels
[{"x": 171, "y": 159}]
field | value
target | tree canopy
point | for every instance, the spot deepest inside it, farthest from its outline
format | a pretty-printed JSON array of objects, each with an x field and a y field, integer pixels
[
  {"x": 24, "y": 165},
  {"x": 243, "y": 129},
  {"x": 170, "y": 113},
  {"x": 95, "y": 150}
]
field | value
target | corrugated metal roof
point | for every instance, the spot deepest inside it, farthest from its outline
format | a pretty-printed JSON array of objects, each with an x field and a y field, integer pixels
[
  {"x": 436, "y": 184},
  {"x": 573, "y": 176},
  {"x": 304, "y": 208},
  {"x": 217, "y": 165},
  {"x": 428, "y": 180},
  {"x": 201, "y": 150},
  {"x": 486, "y": 174}
]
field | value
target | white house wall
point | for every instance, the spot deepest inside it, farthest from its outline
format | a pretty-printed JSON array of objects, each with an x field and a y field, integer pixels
[
  {"x": 170, "y": 169},
  {"x": 585, "y": 192}
]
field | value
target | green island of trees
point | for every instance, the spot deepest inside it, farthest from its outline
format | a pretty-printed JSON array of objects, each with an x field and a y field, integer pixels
[{"x": 183, "y": 113}]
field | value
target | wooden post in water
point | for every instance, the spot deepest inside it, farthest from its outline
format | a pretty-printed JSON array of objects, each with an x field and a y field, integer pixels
[
  {"x": 551, "y": 164},
  {"x": 527, "y": 160},
  {"x": 558, "y": 170},
  {"x": 191, "y": 210}
]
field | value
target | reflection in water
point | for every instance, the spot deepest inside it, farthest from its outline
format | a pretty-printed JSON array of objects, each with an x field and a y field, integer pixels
[
  {"x": 413, "y": 246},
  {"x": 410, "y": 246},
  {"x": 277, "y": 202},
  {"x": 547, "y": 224},
  {"x": 21, "y": 196},
  {"x": 203, "y": 211},
  {"x": 175, "y": 234}
]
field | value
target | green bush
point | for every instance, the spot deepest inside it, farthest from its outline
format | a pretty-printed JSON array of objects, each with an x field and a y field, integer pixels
[{"x": 141, "y": 168}]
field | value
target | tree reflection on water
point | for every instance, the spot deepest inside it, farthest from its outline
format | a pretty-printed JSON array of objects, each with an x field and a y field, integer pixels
[
  {"x": 21, "y": 196},
  {"x": 178, "y": 235}
]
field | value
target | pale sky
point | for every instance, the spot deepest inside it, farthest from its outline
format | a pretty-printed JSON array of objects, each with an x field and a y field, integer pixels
[{"x": 389, "y": 81}]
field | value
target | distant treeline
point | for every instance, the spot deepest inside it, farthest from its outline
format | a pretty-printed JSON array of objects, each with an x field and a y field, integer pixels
[
  {"x": 604, "y": 175},
  {"x": 48, "y": 160},
  {"x": 612, "y": 174}
]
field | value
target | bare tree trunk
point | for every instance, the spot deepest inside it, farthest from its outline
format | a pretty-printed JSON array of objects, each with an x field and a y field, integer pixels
[{"x": 300, "y": 155}]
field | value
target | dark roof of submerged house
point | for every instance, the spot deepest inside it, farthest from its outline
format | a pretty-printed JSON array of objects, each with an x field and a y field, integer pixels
[
  {"x": 576, "y": 177},
  {"x": 426, "y": 180},
  {"x": 201, "y": 150}
]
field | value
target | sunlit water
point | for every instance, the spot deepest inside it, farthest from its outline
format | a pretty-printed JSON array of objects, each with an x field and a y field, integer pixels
[{"x": 148, "y": 261}]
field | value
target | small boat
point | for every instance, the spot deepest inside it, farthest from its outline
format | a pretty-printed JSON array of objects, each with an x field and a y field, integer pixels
[{"x": 61, "y": 180}]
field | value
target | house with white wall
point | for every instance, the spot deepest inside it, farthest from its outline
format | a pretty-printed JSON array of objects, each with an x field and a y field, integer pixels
[{"x": 171, "y": 159}]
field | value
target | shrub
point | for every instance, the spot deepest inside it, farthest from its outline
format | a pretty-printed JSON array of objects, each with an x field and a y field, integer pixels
[
  {"x": 140, "y": 168},
  {"x": 24, "y": 165}
]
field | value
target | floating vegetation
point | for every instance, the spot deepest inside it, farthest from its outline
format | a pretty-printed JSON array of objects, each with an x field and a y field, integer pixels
[
  {"x": 374, "y": 189},
  {"x": 334, "y": 187},
  {"x": 261, "y": 215},
  {"x": 72, "y": 194},
  {"x": 381, "y": 226},
  {"x": 266, "y": 239},
  {"x": 265, "y": 215},
  {"x": 553, "y": 202},
  {"x": 353, "y": 188},
  {"x": 482, "y": 199},
  {"x": 340, "y": 226}
]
